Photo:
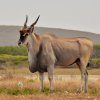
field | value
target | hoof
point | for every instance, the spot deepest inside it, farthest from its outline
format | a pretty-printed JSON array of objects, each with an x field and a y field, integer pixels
[
  {"x": 85, "y": 91},
  {"x": 41, "y": 91},
  {"x": 79, "y": 91},
  {"x": 51, "y": 91}
]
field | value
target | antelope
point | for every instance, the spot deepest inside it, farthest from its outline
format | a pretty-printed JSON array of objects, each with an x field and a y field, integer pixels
[{"x": 47, "y": 51}]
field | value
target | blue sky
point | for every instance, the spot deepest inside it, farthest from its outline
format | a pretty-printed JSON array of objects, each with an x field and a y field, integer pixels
[{"x": 69, "y": 14}]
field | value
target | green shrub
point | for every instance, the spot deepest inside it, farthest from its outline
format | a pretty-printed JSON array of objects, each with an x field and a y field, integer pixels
[
  {"x": 94, "y": 91},
  {"x": 4, "y": 58},
  {"x": 96, "y": 61},
  {"x": 13, "y": 50},
  {"x": 97, "y": 46},
  {"x": 17, "y": 91},
  {"x": 96, "y": 51}
]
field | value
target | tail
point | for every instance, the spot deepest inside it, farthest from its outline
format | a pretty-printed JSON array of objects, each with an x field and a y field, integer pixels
[{"x": 90, "y": 65}]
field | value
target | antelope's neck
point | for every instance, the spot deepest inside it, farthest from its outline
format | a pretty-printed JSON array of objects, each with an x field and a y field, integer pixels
[
  {"x": 33, "y": 49},
  {"x": 33, "y": 44}
]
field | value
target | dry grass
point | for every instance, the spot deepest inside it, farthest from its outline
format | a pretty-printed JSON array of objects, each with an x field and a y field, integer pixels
[
  {"x": 23, "y": 70},
  {"x": 50, "y": 97},
  {"x": 63, "y": 90},
  {"x": 9, "y": 90}
]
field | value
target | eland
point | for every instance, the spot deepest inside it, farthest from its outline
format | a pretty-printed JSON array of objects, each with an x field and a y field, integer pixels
[{"x": 47, "y": 51}]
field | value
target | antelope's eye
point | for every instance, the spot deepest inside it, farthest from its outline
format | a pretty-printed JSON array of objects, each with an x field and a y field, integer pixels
[
  {"x": 28, "y": 30},
  {"x": 20, "y": 31}
]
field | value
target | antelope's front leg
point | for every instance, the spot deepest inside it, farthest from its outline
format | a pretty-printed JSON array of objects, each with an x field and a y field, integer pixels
[
  {"x": 50, "y": 77},
  {"x": 41, "y": 77}
]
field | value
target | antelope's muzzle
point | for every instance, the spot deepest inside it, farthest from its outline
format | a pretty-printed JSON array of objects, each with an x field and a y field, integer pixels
[{"x": 19, "y": 43}]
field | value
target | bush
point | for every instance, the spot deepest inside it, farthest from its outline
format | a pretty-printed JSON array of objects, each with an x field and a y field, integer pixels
[
  {"x": 96, "y": 51},
  {"x": 97, "y": 47},
  {"x": 96, "y": 61},
  {"x": 15, "y": 60},
  {"x": 13, "y": 50}
]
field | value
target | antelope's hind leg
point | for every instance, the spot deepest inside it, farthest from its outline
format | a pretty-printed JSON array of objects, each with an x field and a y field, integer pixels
[{"x": 84, "y": 76}]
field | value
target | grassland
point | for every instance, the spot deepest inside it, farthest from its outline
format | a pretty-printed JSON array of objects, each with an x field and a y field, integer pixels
[
  {"x": 11, "y": 89},
  {"x": 15, "y": 84}
]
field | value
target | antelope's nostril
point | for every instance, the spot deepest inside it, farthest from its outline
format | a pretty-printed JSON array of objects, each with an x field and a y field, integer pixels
[{"x": 19, "y": 44}]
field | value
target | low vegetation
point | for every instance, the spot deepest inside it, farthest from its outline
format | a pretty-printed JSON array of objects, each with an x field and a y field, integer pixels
[
  {"x": 30, "y": 89},
  {"x": 10, "y": 50},
  {"x": 96, "y": 61},
  {"x": 97, "y": 47},
  {"x": 12, "y": 59},
  {"x": 96, "y": 53}
]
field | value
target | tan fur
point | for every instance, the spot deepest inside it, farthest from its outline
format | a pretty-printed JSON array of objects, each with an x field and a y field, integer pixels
[
  {"x": 64, "y": 52},
  {"x": 47, "y": 51}
]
